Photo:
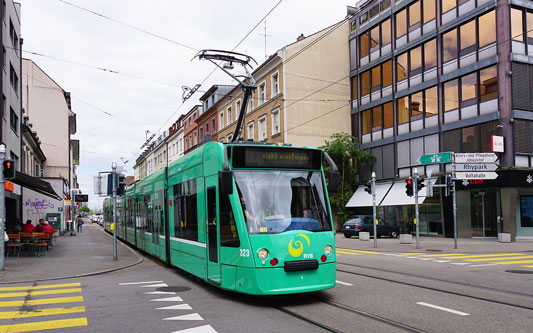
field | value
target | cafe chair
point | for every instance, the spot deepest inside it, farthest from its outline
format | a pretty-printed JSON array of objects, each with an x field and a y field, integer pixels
[
  {"x": 14, "y": 247},
  {"x": 40, "y": 247}
]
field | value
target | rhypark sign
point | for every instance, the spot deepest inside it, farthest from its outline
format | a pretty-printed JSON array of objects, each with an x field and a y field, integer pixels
[
  {"x": 435, "y": 158},
  {"x": 476, "y": 175},
  {"x": 475, "y": 158},
  {"x": 476, "y": 167}
]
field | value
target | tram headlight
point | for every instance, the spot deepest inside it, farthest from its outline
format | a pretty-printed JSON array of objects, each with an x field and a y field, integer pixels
[
  {"x": 328, "y": 249},
  {"x": 263, "y": 253}
]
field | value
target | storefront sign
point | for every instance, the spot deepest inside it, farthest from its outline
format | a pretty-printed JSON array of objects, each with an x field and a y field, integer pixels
[{"x": 497, "y": 144}]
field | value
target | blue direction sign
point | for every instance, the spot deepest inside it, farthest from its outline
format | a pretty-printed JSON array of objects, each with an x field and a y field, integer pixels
[{"x": 435, "y": 158}]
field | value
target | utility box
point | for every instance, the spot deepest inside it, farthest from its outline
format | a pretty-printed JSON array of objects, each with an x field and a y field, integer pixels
[{"x": 54, "y": 219}]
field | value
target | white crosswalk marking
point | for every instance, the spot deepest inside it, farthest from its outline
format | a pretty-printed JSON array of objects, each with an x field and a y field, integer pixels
[
  {"x": 460, "y": 263},
  {"x": 199, "y": 329},
  {"x": 192, "y": 316},
  {"x": 156, "y": 285},
  {"x": 145, "y": 282},
  {"x": 176, "y": 307},
  {"x": 168, "y": 299},
  {"x": 160, "y": 293}
]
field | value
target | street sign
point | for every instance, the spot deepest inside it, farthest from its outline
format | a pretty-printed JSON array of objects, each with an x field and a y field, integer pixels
[
  {"x": 475, "y": 158},
  {"x": 476, "y": 167},
  {"x": 476, "y": 175},
  {"x": 435, "y": 158}
]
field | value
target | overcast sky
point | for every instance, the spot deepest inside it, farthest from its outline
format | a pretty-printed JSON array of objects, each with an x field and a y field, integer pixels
[{"x": 152, "y": 70}]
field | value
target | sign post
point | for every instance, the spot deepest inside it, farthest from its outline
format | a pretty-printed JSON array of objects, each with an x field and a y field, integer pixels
[
  {"x": 114, "y": 173},
  {"x": 415, "y": 189},
  {"x": 2, "y": 205},
  {"x": 374, "y": 209}
]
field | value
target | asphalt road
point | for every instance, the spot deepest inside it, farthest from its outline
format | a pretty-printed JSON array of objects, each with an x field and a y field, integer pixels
[{"x": 376, "y": 292}]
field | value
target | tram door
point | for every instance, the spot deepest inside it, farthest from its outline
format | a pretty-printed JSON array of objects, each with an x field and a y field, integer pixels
[
  {"x": 155, "y": 225},
  {"x": 213, "y": 264}
]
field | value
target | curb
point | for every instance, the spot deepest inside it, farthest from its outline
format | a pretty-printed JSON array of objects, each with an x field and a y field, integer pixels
[{"x": 140, "y": 259}]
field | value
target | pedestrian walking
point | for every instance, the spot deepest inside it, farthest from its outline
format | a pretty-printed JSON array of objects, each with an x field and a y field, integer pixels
[{"x": 79, "y": 224}]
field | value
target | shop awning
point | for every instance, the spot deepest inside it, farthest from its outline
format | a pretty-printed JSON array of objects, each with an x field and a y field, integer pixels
[
  {"x": 362, "y": 199},
  {"x": 398, "y": 197},
  {"x": 35, "y": 184}
]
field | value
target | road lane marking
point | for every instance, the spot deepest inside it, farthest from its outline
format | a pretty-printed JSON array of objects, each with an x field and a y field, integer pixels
[
  {"x": 168, "y": 299},
  {"x": 176, "y": 307},
  {"x": 424, "y": 258},
  {"x": 42, "y": 301},
  {"x": 411, "y": 253},
  {"x": 483, "y": 265},
  {"x": 502, "y": 258},
  {"x": 44, "y": 292},
  {"x": 485, "y": 256},
  {"x": 40, "y": 312},
  {"x": 156, "y": 285},
  {"x": 191, "y": 316},
  {"x": 513, "y": 262},
  {"x": 528, "y": 266},
  {"x": 47, "y": 286},
  {"x": 199, "y": 329},
  {"x": 344, "y": 283},
  {"x": 460, "y": 263},
  {"x": 441, "y": 260},
  {"x": 360, "y": 251},
  {"x": 144, "y": 282},
  {"x": 443, "y": 309},
  {"x": 350, "y": 253},
  {"x": 160, "y": 293},
  {"x": 443, "y": 255},
  {"x": 44, "y": 325}
]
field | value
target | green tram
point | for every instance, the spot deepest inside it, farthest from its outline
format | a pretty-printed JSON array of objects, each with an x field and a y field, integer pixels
[{"x": 247, "y": 217}]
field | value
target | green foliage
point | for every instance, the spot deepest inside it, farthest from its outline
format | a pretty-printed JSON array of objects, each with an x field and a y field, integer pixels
[
  {"x": 346, "y": 154},
  {"x": 85, "y": 209}
]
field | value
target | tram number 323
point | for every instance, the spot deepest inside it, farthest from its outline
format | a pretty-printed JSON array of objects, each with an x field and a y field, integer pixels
[{"x": 245, "y": 252}]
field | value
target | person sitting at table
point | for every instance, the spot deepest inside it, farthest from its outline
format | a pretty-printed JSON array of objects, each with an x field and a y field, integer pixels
[
  {"x": 47, "y": 228},
  {"x": 28, "y": 227}
]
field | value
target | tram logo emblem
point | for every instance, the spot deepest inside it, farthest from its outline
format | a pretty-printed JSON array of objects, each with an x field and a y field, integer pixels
[{"x": 298, "y": 248}]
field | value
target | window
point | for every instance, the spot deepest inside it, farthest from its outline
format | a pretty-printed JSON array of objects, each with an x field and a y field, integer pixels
[
  {"x": 487, "y": 24},
  {"x": 488, "y": 83},
  {"x": 414, "y": 14},
  {"x": 374, "y": 39},
  {"x": 430, "y": 54},
  {"x": 387, "y": 73},
  {"x": 432, "y": 105},
  {"x": 229, "y": 137},
  {"x": 13, "y": 35},
  {"x": 221, "y": 121},
  {"x": 228, "y": 228},
  {"x": 363, "y": 45},
  {"x": 526, "y": 211},
  {"x": 262, "y": 94},
  {"x": 529, "y": 19},
  {"x": 354, "y": 88},
  {"x": 401, "y": 67},
  {"x": 429, "y": 10},
  {"x": 385, "y": 32},
  {"x": 201, "y": 133},
  {"x": 417, "y": 106},
  {"x": 275, "y": 122},
  {"x": 376, "y": 78},
  {"x": 470, "y": 139},
  {"x": 275, "y": 84},
  {"x": 401, "y": 23},
  {"x": 468, "y": 89},
  {"x": 376, "y": 118},
  {"x": 14, "y": 120},
  {"x": 207, "y": 128},
  {"x": 237, "y": 108},
  {"x": 230, "y": 115},
  {"x": 366, "y": 121},
  {"x": 449, "y": 41},
  {"x": 451, "y": 95},
  {"x": 14, "y": 79},
  {"x": 415, "y": 56},
  {"x": 186, "y": 143},
  {"x": 365, "y": 83},
  {"x": 468, "y": 37},
  {"x": 251, "y": 129},
  {"x": 250, "y": 103},
  {"x": 403, "y": 110},
  {"x": 214, "y": 125},
  {"x": 448, "y": 5},
  {"x": 195, "y": 138},
  {"x": 262, "y": 128},
  {"x": 388, "y": 120},
  {"x": 185, "y": 210},
  {"x": 517, "y": 27}
]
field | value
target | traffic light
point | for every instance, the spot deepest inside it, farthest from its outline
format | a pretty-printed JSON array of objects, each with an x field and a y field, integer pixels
[
  {"x": 9, "y": 169},
  {"x": 419, "y": 183},
  {"x": 449, "y": 186},
  {"x": 409, "y": 187},
  {"x": 121, "y": 188},
  {"x": 368, "y": 187}
]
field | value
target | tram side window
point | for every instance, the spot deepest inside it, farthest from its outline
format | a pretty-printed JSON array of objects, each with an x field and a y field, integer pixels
[
  {"x": 228, "y": 227},
  {"x": 185, "y": 210},
  {"x": 161, "y": 211},
  {"x": 147, "y": 213}
]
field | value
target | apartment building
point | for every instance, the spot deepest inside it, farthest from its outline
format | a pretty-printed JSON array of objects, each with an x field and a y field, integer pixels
[
  {"x": 432, "y": 76},
  {"x": 209, "y": 122},
  {"x": 190, "y": 128}
]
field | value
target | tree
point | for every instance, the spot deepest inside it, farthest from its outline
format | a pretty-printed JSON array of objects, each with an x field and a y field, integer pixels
[
  {"x": 346, "y": 154},
  {"x": 85, "y": 209}
]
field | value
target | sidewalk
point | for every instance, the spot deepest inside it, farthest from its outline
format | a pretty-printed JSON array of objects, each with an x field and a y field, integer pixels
[
  {"x": 89, "y": 252},
  {"x": 434, "y": 244}
]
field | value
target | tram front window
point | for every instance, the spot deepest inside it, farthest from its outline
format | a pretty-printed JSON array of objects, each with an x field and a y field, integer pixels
[{"x": 275, "y": 201}]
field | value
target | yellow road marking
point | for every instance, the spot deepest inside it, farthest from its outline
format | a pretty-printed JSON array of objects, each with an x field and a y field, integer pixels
[
  {"x": 443, "y": 255},
  {"x": 42, "y": 301},
  {"x": 513, "y": 262},
  {"x": 528, "y": 266},
  {"x": 44, "y": 325},
  {"x": 352, "y": 253},
  {"x": 41, "y": 312},
  {"x": 485, "y": 256},
  {"x": 44, "y": 292},
  {"x": 360, "y": 251},
  {"x": 41, "y": 287},
  {"x": 502, "y": 258},
  {"x": 411, "y": 253}
]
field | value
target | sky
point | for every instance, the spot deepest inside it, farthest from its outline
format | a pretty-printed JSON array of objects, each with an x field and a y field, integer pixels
[{"x": 125, "y": 70}]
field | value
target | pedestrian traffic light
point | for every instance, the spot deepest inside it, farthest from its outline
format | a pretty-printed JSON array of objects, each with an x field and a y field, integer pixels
[
  {"x": 419, "y": 183},
  {"x": 409, "y": 187},
  {"x": 449, "y": 186},
  {"x": 9, "y": 169},
  {"x": 368, "y": 187}
]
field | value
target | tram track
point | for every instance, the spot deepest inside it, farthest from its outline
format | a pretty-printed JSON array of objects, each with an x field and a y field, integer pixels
[{"x": 462, "y": 294}]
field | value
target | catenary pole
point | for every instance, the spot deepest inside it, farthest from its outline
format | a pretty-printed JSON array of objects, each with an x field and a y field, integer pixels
[
  {"x": 2, "y": 205},
  {"x": 114, "y": 176}
]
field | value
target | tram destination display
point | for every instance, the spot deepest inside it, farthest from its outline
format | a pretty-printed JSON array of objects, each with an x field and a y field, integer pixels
[{"x": 276, "y": 157}]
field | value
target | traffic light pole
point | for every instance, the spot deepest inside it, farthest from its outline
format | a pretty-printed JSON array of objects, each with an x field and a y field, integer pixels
[
  {"x": 374, "y": 209},
  {"x": 114, "y": 176},
  {"x": 2, "y": 205},
  {"x": 415, "y": 189}
]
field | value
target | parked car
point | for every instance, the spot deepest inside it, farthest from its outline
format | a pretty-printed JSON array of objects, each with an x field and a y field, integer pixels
[{"x": 356, "y": 224}]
